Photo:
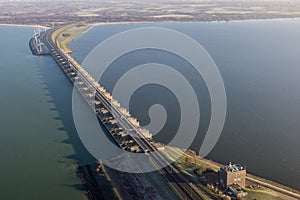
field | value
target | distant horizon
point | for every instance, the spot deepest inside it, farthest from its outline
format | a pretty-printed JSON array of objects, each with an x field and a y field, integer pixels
[
  {"x": 49, "y": 13},
  {"x": 164, "y": 1}
]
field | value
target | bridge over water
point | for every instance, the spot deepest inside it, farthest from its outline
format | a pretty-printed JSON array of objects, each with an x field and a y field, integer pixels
[{"x": 124, "y": 128}]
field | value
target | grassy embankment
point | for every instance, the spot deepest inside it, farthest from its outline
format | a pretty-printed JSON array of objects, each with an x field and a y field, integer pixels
[
  {"x": 188, "y": 162},
  {"x": 66, "y": 34}
]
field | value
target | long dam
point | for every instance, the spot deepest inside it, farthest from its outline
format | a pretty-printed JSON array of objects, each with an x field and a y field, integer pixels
[
  {"x": 123, "y": 128},
  {"x": 175, "y": 180}
]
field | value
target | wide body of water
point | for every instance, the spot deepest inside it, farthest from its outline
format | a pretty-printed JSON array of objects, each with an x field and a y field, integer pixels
[
  {"x": 38, "y": 146},
  {"x": 259, "y": 62}
]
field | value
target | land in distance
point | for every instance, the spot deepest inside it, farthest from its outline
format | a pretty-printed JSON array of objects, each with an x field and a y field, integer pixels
[{"x": 50, "y": 13}]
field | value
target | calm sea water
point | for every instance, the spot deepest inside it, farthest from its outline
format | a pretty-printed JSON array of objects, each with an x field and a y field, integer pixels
[
  {"x": 260, "y": 64},
  {"x": 39, "y": 149}
]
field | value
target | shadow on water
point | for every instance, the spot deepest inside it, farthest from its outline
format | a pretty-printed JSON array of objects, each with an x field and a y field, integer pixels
[
  {"x": 60, "y": 128},
  {"x": 59, "y": 89},
  {"x": 76, "y": 186},
  {"x": 67, "y": 141}
]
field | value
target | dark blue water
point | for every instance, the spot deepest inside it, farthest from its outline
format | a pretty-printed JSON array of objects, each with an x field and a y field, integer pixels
[{"x": 260, "y": 64}]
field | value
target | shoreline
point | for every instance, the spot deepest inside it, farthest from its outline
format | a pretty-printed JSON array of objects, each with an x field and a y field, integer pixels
[
  {"x": 95, "y": 24},
  {"x": 172, "y": 21},
  {"x": 23, "y": 25},
  {"x": 150, "y": 22}
]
